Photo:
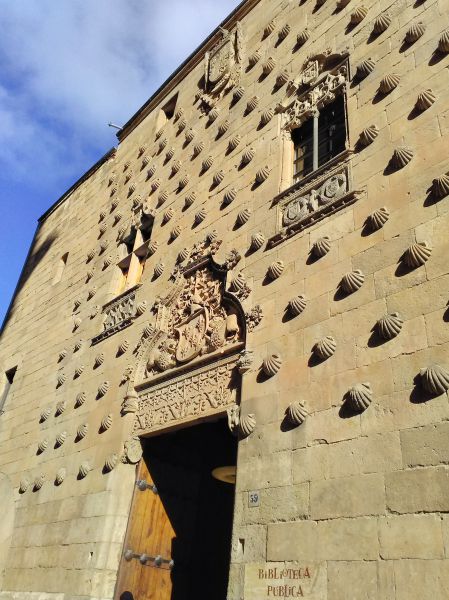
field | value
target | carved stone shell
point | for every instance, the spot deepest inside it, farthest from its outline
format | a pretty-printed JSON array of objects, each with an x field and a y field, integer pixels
[
  {"x": 162, "y": 144},
  {"x": 325, "y": 348},
  {"x": 378, "y": 218},
  {"x": 381, "y": 23},
  {"x": 155, "y": 185},
  {"x": 103, "y": 228},
  {"x": 84, "y": 469},
  {"x": 415, "y": 31},
  {"x": 190, "y": 134},
  {"x": 360, "y": 396},
  {"x": 440, "y": 186},
  {"x": 183, "y": 255},
  {"x": 183, "y": 182},
  {"x": 61, "y": 438},
  {"x": 159, "y": 269},
  {"x": 90, "y": 274},
  {"x": 123, "y": 347},
  {"x": 212, "y": 236},
  {"x": 425, "y": 100},
  {"x": 248, "y": 156},
  {"x": 238, "y": 284},
  {"x": 218, "y": 177},
  {"x": 283, "y": 33},
  {"x": 111, "y": 462},
  {"x": 107, "y": 262},
  {"x": 39, "y": 481},
  {"x": 141, "y": 307},
  {"x": 365, "y": 68},
  {"x": 168, "y": 215},
  {"x": 60, "y": 407},
  {"x": 76, "y": 323},
  {"x": 43, "y": 445},
  {"x": 254, "y": 58},
  {"x": 443, "y": 44},
  {"x": 234, "y": 142},
  {"x": 118, "y": 216},
  {"x": 153, "y": 246},
  {"x": 247, "y": 424},
  {"x": 271, "y": 365},
  {"x": 175, "y": 232},
  {"x": 200, "y": 216},
  {"x": 276, "y": 269},
  {"x": 61, "y": 378},
  {"x": 230, "y": 196},
  {"x": 243, "y": 216},
  {"x": 80, "y": 399},
  {"x": 267, "y": 115},
  {"x": 390, "y": 326},
  {"x": 24, "y": 485},
  {"x": 176, "y": 167},
  {"x": 182, "y": 125},
  {"x": 262, "y": 175},
  {"x": 297, "y": 305},
  {"x": 253, "y": 103},
  {"x": 321, "y": 247},
  {"x": 302, "y": 37},
  {"x": 435, "y": 379},
  {"x": 151, "y": 171},
  {"x": 417, "y": 254},
  {"x": 114, "y": 203},
  {"x": 296, "y": 413},
  {"x": 189, "y": 199},
  {"x": 238, "y": 93},
  {"x": 214, "y": 114},
  {"x": 76, "y": 304},
  {"x": 82, "y": 430},
  {"x": 106, "y": 422},
  {"x": 198, "y": 148},
  {"x": 352, "y": 281},
  {"x": 145, "y": 161},
  {"x": 389, "y": 83},
  {"x": 103, "y": 246},
  {"x": 102, "y": 216},
  {"x": 112, "y": 192},
  {"x": 163, "y": 196},
  {"x": 368, "y": 135},
  {"x": 179, "y": 113},
  {"x": 103, "y": 388},
  {"x": 269, "y": 28},
  {"x": 358, "y": 15},
  {"x": 207, "y": 163},
  {"x": 223, "y": 127},
  {"x": 60, "y": 476},
  {"x": 79, "y": 371},
  {"x": 45, "y": 414},
  {"x": 269, "y": 65},
  {"x": 257, "y": 240},
  {"x": 99, "y": 360},
  {"x": 402, "y": 156}
]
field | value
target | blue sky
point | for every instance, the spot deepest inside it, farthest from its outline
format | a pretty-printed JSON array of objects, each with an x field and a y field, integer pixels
[{"x": 68, "y": 68}]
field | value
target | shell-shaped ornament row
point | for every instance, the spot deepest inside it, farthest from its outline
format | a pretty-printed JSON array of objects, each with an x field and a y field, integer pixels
[
  {"x": 271, "y": 365},
  {"x": 389, "y": 326},
  {"x": 360, "y": 396},
  {"x": 296, "y": 413},
  {"x": 111, "y": 462}
]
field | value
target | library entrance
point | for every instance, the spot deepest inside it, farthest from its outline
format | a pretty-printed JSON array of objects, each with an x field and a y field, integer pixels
[{"x": 178, "y": 541}]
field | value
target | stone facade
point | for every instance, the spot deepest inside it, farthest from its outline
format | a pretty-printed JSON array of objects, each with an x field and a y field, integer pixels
[{"x": 336, "y": 289}]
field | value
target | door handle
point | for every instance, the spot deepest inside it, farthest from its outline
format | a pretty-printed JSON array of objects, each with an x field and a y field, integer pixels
[{"x": 149, "y": 561}]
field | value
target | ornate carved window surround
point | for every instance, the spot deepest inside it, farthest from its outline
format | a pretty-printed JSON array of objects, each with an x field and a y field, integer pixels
[{"x": 118, "y": 314}]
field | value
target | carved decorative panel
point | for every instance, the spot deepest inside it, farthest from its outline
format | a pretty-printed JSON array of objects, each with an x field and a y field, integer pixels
[{"x": 118, "y": 314}]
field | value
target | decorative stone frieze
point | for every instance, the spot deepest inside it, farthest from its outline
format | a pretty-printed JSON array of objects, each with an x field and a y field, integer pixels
[
  {"x": 325, "y": 348},
  {"x": 417, "y": 254},
  {"x": 389, "y": 326},
  {"x": 296, "y": 413},
  {"x": 271, "y": 365},
  {"x": 435, "y": 379},
  {"x": 360, "y": 396},
  {"x": 297, "y": 305},
  {"x": 118, "y": 314}
]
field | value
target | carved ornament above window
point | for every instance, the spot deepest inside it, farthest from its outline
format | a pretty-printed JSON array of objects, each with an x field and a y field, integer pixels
[{"x": 118, "y": 314}]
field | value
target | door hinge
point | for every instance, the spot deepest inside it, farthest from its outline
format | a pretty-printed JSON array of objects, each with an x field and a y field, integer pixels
[
  {"x": 149, "y": 561},
  {"x": 144, "y": 485}
]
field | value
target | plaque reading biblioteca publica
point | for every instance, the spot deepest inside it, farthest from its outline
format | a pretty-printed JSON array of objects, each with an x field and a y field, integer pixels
[{"x": 265, "y": 581}]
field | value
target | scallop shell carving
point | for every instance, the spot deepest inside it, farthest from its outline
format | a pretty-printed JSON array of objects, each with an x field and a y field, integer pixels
[
  {"x": 107, "y": 262},
  {"x": 276, "y": 269},
  {"x": 60, "y": 407},
  {"x": 368, "y": 135},
  {"x": 207, "y": 163},
  {"x": 283, "y": 33},
  {"x": 365, "y": 68},
  {"x": 106, "y": 422},
  {"x": 269, "y": 28},
  {"x": 248, "y": 156},
  {"x": 162, "y": 144},
  {"x": 190, "y": 199},
  {"x": 175, "y": 232},
  {"x": 151, "y": 171},
  {"x": 145, "y": 161},
  {"x": 182, "y": 125},
  {"x": 389, "y": 83},
  {"x": 303, "y": 37},
  {"x": 297, "y": 305},
  {"x": 102, "y": 216},
  {"x": 321, "y": 247},
  {"x": 90, "y": 274},
  {"x": 39, "y": 481},
  {"x": 200, "y": 216},
  {"x": 269, "y": 65},
  {"x": 84, "y": 469},
  {"x": 440, "y": 186},
  {"x": 183, "y": 255},
  {"x": 153, "y": 246},
  {"x": 168, "y": 215},
  {"x": 60, "y": 476},
  {"x": 257, "y": 240},
  {"x": 198, "y": 148},
  {"x": 378, "y": 218},
  {"x": 99, "y": 360},
  {"x": 103, "y": 228},
  {"x": 76, "y": 323},
  {"x": 382, "y": 23},
  {"x": 325, "y": 348},
  {"x": 417, "y": 254},
  {"x": 42, "y": 445},
  {"x": 296, "y": 413},
  {"x": 389, "y": 326},
  {"x": 213, "y": 114},
  {"x": 425, "y": 100},
  {"x": 218, "y": 177},
  {"x": 82, "y": 430},
  {"x": 360, "y": 396},
  {"x": 238, "y": 284},
  {"x": 254, "y": 58},
  {"x": 190, "y": 135},
  {"x": 358, "y": 15},
  {"x": 155, "y": 185},
  {"x": 238, "y": 93},
  {"x": 163, "y": 196},
  {"x": 230, "y": 196},
  {"x": 435, "y": 379},
  {"x": 141, "y": 308},
  {"x": 112, "y": 192},
  {"x": 80, "y": 399},
  {"x": 79, "y": 371},
  {"x": 111, "y": 462},
  {"x": 247, "y": 424},
  {"x": 352, "y": 281},
  {"x": 45, "y": 414},
  {"x": 402, "y": 156},
  {"x": 61, "y": 438},
  {"x": 24, "y": 485},
  {"x": 123, "y": 347},
  {"x": 223, "y": 127},
  {"x": 443, "y": 43},
  {"x": 114, "y": 203},
  {"x": 415, "y": 31},
  {"x": 176, "y": 167},
  {"x": 234, "y": 142},
  {"x": 179, "y": 113},
  {"x": 262, "y": 175},
  {"x": 253, "y": 103},
  {"x": 103, "y": 388},
  {"x": 271, "y": 365},
  {"x": 103, "y": 246},
  {"x": 266, "y": 117},
  {"x": 159, "y": 269}
]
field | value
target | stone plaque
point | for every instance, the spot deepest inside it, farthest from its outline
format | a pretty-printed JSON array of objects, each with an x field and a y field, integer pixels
[{"x": 265, "y": 581}]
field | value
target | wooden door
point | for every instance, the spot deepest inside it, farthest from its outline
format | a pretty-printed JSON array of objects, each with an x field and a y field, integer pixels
[{"x": 149, "y": 533}]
